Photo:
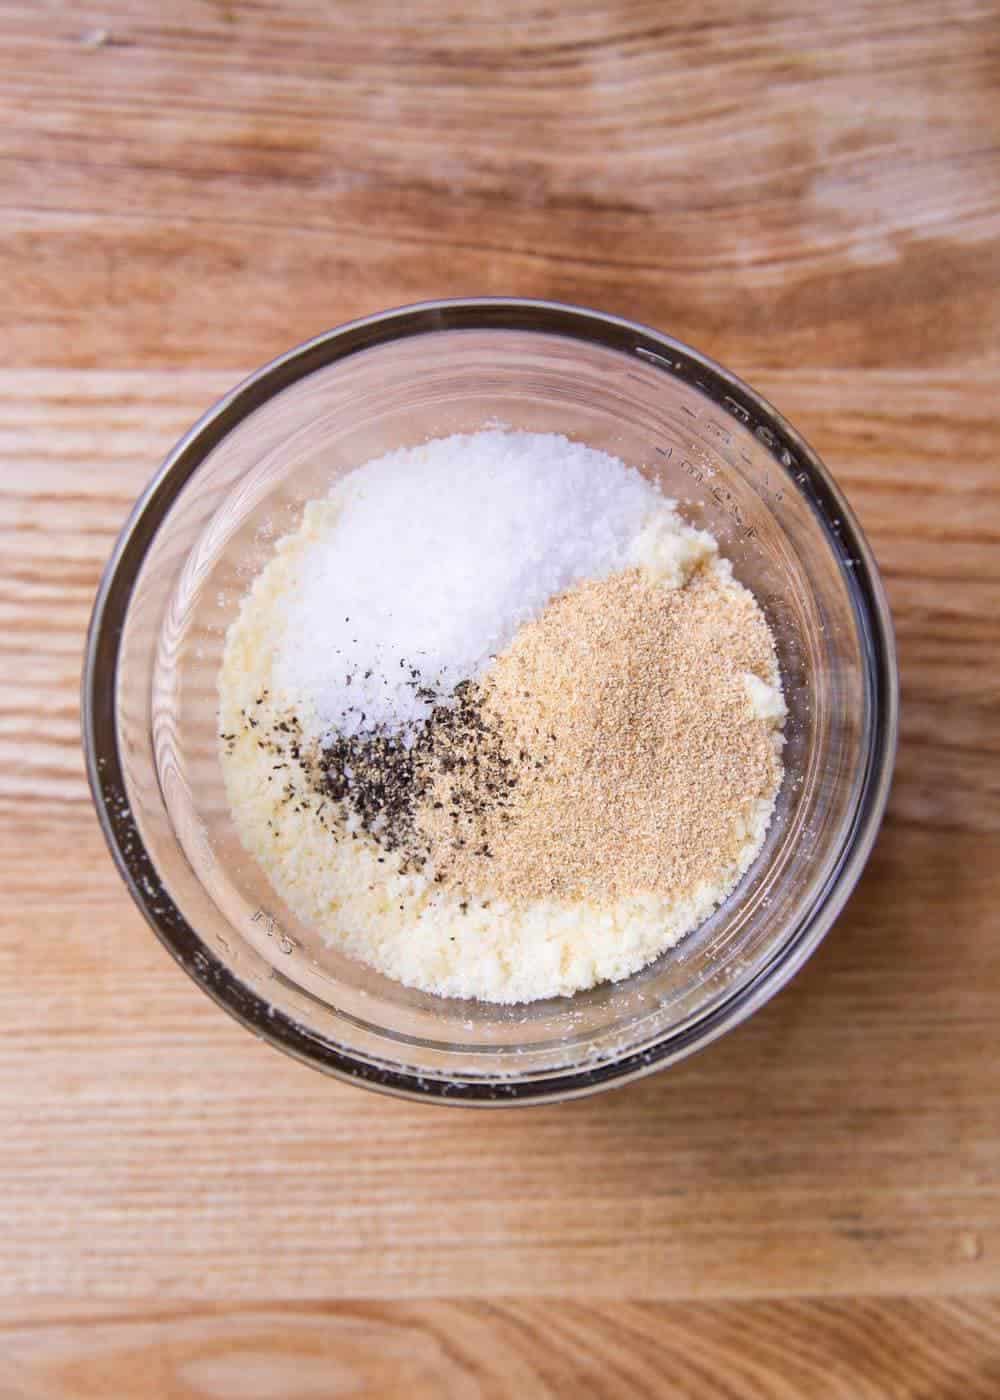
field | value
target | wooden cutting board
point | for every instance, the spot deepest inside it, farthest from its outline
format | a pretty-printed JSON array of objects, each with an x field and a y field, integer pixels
[{"x": 811, "y": 194}]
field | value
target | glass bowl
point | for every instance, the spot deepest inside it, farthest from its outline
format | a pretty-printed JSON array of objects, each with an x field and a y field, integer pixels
[{"x": 207, "y": 523}]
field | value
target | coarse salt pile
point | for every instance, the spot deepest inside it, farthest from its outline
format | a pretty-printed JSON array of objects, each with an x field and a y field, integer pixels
[{"x": 438, "y": 554}]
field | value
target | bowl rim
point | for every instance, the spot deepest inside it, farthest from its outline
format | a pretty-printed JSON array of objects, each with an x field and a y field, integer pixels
[{"x": 104, "y": 764}]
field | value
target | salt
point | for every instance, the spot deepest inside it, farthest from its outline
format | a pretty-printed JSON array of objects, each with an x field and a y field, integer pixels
[{"x": 432, "y": 558}]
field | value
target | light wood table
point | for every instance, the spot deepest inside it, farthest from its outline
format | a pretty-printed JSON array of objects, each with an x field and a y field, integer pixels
[{"x": 810, "y": 193}]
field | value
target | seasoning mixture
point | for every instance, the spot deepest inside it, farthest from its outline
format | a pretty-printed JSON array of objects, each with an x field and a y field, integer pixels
[{"x": 497, "y": 722}]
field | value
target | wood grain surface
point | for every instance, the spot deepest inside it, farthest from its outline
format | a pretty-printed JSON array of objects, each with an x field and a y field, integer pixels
[
  {"x": 942, "y": 1349},
  {"x": 811, "y": 193}
]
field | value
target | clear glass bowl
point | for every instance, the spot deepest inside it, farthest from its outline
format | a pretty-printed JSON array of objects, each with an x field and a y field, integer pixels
[{"x": 239, "y": 480}]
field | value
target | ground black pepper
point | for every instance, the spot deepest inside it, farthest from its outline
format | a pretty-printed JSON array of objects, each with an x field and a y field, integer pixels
[
  {"x": 377, "y": 781},
  {"x": 383, "y": 778}
]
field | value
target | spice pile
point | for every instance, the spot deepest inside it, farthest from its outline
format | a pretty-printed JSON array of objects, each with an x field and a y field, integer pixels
[
  {"x": 645, "y": 759},
  {"x": 529, "y": 772}
]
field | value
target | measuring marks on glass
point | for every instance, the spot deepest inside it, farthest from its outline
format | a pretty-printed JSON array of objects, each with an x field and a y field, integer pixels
[
  {"x": 720, "y": 493},
  {"x": 272, "y": 929},
  {"x": 702, "y": 471}
]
